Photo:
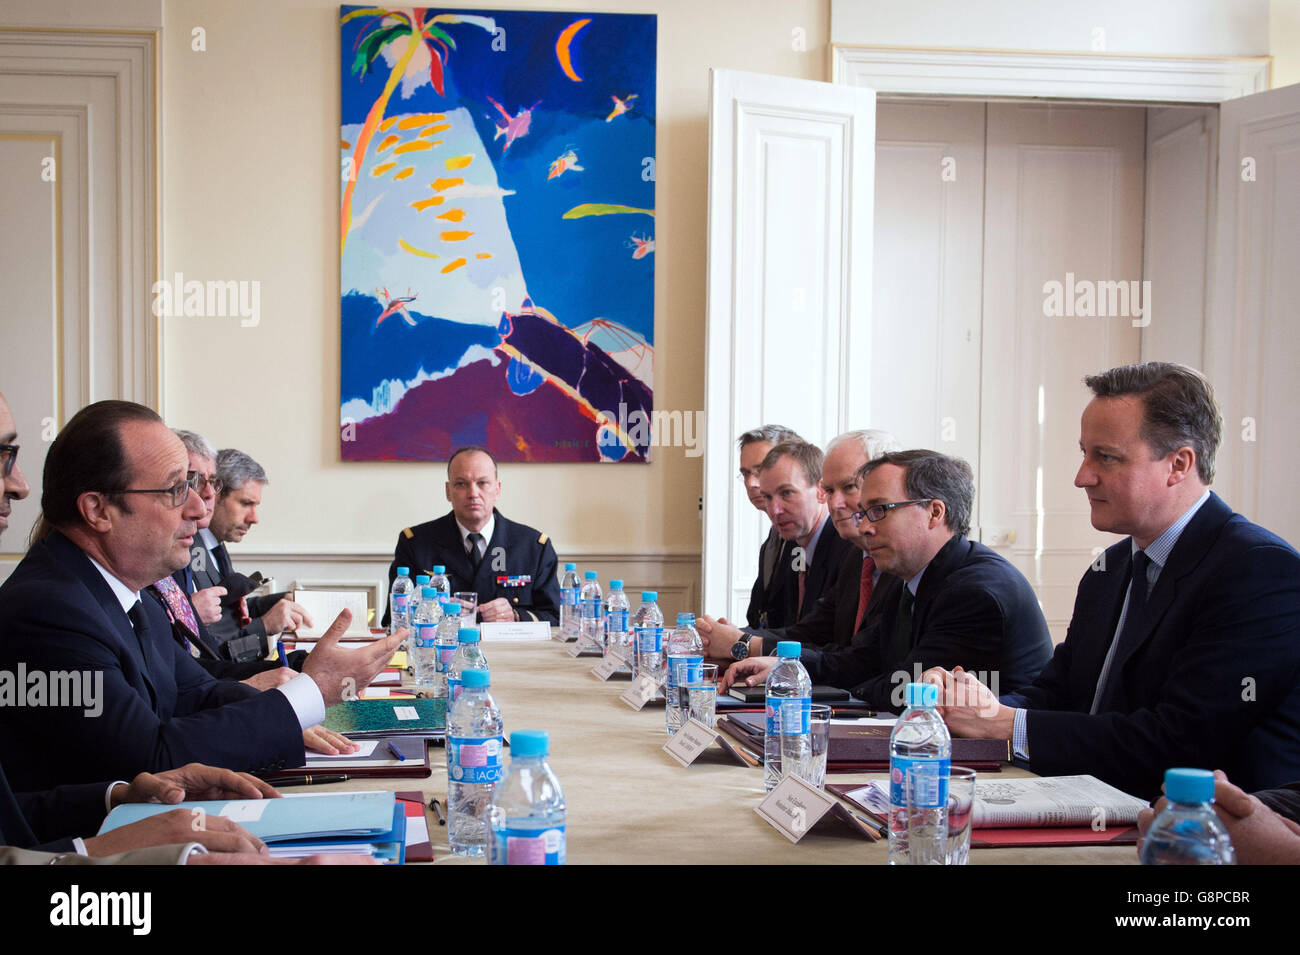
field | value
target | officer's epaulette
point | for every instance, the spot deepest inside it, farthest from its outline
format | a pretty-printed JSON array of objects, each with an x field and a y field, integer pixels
[
  {"x": 408, "y": 533},
  {"x": 541, "y": 539}
]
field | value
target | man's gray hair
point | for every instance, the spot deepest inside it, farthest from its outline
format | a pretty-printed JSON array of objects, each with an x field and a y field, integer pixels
[
  {"x": 771, "y": 433},
  {"x": 873, "y": 441},
  {"x": 195, "y": 443},
  {"x": 235, "y": 469}
]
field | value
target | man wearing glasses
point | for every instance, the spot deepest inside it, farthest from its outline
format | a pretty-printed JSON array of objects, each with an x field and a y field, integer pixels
[
  {"x": 119, "y": 500},
  {"x": 961, "y": 604}
]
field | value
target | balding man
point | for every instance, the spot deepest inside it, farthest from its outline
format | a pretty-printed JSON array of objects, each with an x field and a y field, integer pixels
[
  {"x": 510, "y": 566},
  {"x": 121, "y": 696}
]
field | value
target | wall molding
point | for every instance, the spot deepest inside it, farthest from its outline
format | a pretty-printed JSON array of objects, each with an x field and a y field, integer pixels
[{"x": 1046, "y": 74}]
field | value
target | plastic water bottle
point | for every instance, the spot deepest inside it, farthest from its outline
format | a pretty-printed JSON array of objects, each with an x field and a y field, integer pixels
[
  {"x": 685, "y": 651},
  {"x": 569, "y": 587},
  {"x": 919, "y": 743},
  {"x": 648, "y": 627},
  {"x": 421, "y": 581},
  {"x": 468, "y": 656},
  {"x": 526, "y": 821},
  {"x": 399, "y": 601},
  {"x": 473, "y": 764},
  {"x": 446, "y": 640},
  {"x": 1187, "y": 832},
  {"x": 787, "y": 707},
  {"x": 618, "y": 625},
  {"x": 591, "y": 628},
  {"x": 439, "y": 582},
  {"x": 424, "y": 633}
]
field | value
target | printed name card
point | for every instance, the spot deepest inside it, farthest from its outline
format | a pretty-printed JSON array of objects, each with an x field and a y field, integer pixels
[
  {"x": 643, "y": 689},
  {"x": 584, "y": 646},
  {"x": 522, "y": 631},
  {"x": 607, "y": 667},
  {"x": 689, "y": 741},
  {"x": 794, "y": 807}
]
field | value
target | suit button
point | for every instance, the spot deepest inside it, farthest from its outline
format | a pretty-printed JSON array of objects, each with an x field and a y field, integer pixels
[{"x": 516, "y": 600}]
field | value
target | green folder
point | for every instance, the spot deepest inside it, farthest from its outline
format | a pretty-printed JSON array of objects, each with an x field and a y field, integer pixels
[{"x": 362, "y": 719}]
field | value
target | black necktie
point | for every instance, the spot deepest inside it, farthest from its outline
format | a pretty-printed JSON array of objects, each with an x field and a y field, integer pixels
[
  {"x": 140, "y": 624},
  {"x": 224, "y": 567},
  {"x": 1130, "y": 633},
  {"x": 475, "y": 558},
  {"x": 901, "y": 645}
]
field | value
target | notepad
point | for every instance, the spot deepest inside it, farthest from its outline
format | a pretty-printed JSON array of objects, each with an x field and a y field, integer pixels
[{"x": 306, "y": 816}]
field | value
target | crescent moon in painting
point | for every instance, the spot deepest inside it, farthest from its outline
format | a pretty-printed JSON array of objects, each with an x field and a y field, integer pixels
[{"x": 562, "y": 48}]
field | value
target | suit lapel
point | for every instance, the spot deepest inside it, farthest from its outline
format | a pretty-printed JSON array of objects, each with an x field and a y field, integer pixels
[
  {"x": 486, "y": 580},
  {"x": 447, "y": 542},
  {"x": 70, "y": 556},
  {"x": 1193, "y": 544}
]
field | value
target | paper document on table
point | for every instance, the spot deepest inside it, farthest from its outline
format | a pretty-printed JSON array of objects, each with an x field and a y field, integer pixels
[
  {"x": 1043, "y": 802},
  {"x": 324, "y": 605},
  {"x": 367, "y": 747}
]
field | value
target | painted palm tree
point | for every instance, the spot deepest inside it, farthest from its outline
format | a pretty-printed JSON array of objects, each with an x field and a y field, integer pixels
[{"x": 417, "y": 29}]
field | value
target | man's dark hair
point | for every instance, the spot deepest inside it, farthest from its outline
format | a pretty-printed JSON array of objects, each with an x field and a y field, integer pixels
[
  {"x": 807, "y": 456},
  {"x": 468, "y": 449},
  {"x": 89, "y": 455},
  {"x": 937, "y": 477},
  {"x": 771, "y": 433},
  {"x": 1178, "y": 408}
]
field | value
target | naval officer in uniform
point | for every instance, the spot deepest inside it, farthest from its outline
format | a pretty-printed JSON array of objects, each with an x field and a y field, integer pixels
[{"x": 511, "y": 566}]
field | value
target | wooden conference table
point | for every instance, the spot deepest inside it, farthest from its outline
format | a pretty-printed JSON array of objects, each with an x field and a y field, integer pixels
[{"x": 629, "y": 802}]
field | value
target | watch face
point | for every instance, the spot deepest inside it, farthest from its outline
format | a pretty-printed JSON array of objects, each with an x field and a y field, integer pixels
[{"x": 740, "y": 650}]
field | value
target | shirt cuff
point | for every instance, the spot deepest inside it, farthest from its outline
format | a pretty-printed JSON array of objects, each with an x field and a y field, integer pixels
[
  {"x": 79, "y": 846},
  {"x": 192, "y": 849},
  {"x": 1020, "y": 735},
  {"x": 306, "y": 699},
  {"x": 108, "y": 795}
]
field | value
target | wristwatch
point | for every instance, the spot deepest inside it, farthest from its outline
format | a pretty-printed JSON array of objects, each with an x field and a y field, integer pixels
[{"x": 740, "y": 649}]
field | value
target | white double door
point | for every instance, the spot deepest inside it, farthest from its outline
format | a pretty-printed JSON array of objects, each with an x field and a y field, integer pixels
[{"x": 948, "y": 331}]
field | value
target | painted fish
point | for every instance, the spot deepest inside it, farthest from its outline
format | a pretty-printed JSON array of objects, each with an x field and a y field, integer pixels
[
  {"x": 621, "y": 106},
  {"x": 566, "y": 162},
  {"x": 395, "y": 305},
  {"x": 513, "y": 126},
  {"x": 644, "y": 246}
]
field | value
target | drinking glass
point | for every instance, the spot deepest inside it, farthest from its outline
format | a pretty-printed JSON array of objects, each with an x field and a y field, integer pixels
[{"x": 702, "y": 695}]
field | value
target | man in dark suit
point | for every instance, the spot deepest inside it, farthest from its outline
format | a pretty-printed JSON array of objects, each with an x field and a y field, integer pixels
[
  {"x": 853, "y": 597},
  {"x": 1184, "y": 647},
  {"x": 754, "y": 446},
  {"x": 122, "y": 508},
  {"x": 510, "y": 566},
  {"x": 959, "y": 603},
  {"x": 789, "y": 478}
]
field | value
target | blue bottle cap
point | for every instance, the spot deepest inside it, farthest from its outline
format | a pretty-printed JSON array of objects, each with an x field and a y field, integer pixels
[
  {"x": 649, "y": 596},
  {"x": 474, "y": 679},
  {"x": 590, "y": 575},
  {"x": 788, "y": 649},
  {"x": 685, "y": 618},
  {"x": 451, "y": 607},
  {"x": 439, "y": 568},
  {"x": 922, "y": 694},
  {"x": 403, "y": 571},
  {"x": 429, "y": 593},
  {"x": 422, "y": 580},
  {"x": 616, "y": 585},
  {"x": 468, "y": 635},
  {"x": 570, "y": 566},
  {"x": 1189, "y": 785},
  {"x": 529, "y": 743}
]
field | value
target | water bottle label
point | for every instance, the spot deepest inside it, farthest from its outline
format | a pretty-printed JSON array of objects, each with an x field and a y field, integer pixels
[
  {"x": 683, "y": 670},
  {"x": 453, "y": 689},
  {"x": 788, "y": 716},
  {"x": 529, "y": 847},
  {"x": 929, "y": 779},
  {"x": 650, "y": 639},
  {"x": 569, "y": 596},
  {"x": 428, "y": 633},
  {"x": 616, "y": 621},
  {"x": 445, "y": 652},
  {"x": 400, "y": 602},
  {"x": 474, "y": 759},
  {"x": 591, "y": 607}
]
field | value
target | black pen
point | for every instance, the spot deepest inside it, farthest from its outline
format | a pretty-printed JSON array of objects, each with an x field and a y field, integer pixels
[
  {"x": 437, "y": 811},
  {"x": 309, "y": 780}
]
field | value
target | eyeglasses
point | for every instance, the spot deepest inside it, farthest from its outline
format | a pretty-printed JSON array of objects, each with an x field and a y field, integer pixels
[
  {"x": 877, "y": 512},
  {"x": 180, "y": 491},
  {"x": 8, "y": 458},
  {"x": 201, "y": 481}
]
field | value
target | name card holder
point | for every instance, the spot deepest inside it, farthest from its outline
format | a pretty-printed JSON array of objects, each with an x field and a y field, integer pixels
[
  {"x": 583, "y": 647},
  {"x": 607, "y": 667},
  {"x": 796, "y": 806},
  {"x": 691, "y": 739},
  {"x": 643, "y": 689}
]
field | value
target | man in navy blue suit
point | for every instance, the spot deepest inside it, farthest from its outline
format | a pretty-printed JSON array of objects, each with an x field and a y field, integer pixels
[
  {"x": 120, "y": 509},
  {"x": 1184, "y": 647}
]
